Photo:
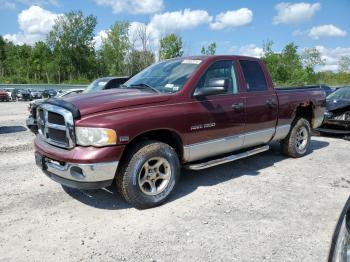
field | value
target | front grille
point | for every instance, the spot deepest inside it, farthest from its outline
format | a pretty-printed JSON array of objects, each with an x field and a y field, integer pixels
[
  {"x": 57, "y": 135},
  {"x": 55, "y": 118},
  {"x": 55, "y": 125}
]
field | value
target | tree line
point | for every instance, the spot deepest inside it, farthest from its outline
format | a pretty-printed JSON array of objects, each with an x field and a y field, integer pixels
[{"x": 69, "y": 55}]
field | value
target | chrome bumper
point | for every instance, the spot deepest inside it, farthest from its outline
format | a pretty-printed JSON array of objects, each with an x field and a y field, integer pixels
[{"x": 84, "y": 176}]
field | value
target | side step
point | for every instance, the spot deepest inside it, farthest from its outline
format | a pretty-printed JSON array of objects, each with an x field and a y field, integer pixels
[{"x": 226, "y": 159}]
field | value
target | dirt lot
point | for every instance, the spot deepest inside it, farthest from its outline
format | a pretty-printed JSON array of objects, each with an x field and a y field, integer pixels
[{"x": 263, "y": 208}]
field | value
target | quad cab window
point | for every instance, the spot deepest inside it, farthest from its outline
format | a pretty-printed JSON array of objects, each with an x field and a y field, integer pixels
[
  {"x": 220, "y": 70},
  {"x": 253, "y": 75}
]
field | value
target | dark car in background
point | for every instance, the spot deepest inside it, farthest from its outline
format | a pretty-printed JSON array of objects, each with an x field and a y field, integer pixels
[
  {"x": 23, "y": 94},
  {"x": 337, "y": 115},
  {"x": 329, "y": 90},
  {"x": 49, "y": 93},
  {"x": 104, "y": 83},
  {"x": 34, "y": 94}
]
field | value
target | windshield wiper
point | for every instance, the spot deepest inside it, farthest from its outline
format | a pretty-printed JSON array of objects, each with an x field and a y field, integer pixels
[{"x": 143, "y": 86}]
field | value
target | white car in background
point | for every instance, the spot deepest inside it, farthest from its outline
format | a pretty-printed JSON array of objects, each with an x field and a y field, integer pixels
[{"x": 10, "y": 91}]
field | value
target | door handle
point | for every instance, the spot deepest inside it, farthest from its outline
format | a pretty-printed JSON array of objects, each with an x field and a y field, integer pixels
[
  {"x": 238, "y": 107},
  {"x": 271, "y": 103}
]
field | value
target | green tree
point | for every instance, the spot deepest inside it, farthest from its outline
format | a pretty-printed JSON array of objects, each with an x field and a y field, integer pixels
[
  {"x": 41, "y": 57},
  {"x": 311, "y": 57},
  {"x": 140, "y": 54},
  {"x": 294, "y": 73},
  {"x": 273, "y": 62},
  {"x": 286, "y": 68},
  {"x": 138, "y": 60},
  {"x": 115, "y": 47},
  {"x": 344, "y": 64},
  {"x": 170, "y": 47},
  {"x": 71, "y": 41},
  {"x": 209, "y": 50},
  {"x": 2, "y": 55}
]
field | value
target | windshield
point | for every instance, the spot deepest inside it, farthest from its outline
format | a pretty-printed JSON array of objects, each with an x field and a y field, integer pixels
[
  {"x": 97, "y": 85},
  {"x": 166, "y": 77},
  {"x": 341, "y": 94}
]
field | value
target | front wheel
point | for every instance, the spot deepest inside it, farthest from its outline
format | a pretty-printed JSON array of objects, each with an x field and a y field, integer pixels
[
  {"x": 297, "y": 143},
  {"x": 148, "y": 174}
]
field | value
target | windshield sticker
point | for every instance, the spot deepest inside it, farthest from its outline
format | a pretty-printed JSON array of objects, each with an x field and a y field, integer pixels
[
  {"x": 169, "y": 85},
  {"x": 188, "y": 61},
  {"x": 176, "y": 88},
  {"x": 102, "y": 83}
]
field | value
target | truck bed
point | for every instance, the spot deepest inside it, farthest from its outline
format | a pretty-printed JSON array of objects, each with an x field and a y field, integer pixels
[
  {"x": 297, "y": 88},
  {"x": 291, "y": 97}
]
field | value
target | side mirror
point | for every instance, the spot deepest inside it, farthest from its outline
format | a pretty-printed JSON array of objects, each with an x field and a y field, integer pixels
[
  {"x": 215, "y": 86},
  {"x": 340, "y": 246}
]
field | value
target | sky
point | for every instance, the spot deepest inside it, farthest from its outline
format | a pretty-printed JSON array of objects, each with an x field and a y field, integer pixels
[{"x": 237, "y": 27}]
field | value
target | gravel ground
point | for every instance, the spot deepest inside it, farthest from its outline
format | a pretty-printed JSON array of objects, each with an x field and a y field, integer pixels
[{"x": 263, "y": 208}]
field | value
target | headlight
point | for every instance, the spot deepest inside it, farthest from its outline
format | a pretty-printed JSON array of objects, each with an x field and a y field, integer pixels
[{"x": 90, "y": 136}]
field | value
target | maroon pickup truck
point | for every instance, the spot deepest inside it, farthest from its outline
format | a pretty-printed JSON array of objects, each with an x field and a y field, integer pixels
[{"x": 193, "y": 112}]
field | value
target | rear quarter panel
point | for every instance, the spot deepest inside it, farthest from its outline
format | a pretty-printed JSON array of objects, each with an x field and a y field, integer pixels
[{"x": 290, "y": 100}]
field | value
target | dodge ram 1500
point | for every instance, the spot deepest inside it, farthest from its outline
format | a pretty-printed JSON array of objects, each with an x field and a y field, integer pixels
[{"x": 192, "y": 112}]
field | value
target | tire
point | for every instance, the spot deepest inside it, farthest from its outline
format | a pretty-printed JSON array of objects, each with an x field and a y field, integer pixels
[
  {"x": 146, "y": 189},
  {"x": 297, "y": 142}
]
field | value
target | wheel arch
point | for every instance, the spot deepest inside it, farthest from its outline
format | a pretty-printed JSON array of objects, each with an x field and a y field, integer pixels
[
  {"x": 305, "y": 110},
  {"x": 167, "y": 136}
]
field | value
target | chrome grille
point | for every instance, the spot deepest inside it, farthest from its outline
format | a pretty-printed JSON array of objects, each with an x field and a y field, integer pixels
[{"x": 56, "y": 125}]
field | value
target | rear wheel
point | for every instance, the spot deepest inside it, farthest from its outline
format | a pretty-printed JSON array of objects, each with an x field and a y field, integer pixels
[
  {"x": 297, "y": 143},
  {"x": 148, "y": 174}
]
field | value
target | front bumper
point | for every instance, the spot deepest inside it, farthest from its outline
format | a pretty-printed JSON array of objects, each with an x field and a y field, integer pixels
[
  {"x": 82, "y": 176},
  {"x": 79, "y": 167}
]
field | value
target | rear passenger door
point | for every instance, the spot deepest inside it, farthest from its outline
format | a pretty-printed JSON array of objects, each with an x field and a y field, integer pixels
[{"x": 261, "y": 104}]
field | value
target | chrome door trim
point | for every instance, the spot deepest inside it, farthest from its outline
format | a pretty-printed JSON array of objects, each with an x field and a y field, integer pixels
[
  {"x": 201, "y": 150},
  {"x": 281, "y": 132},
  {"x": 210, "y": 148},
  {"x": 258, "y": 137}
]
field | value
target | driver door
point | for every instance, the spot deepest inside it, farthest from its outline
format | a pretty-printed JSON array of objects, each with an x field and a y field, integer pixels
[{"x": 218, "y": 126}]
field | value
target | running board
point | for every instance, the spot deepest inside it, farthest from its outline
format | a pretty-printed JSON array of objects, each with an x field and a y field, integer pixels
[{"x": 226, "y": 159}]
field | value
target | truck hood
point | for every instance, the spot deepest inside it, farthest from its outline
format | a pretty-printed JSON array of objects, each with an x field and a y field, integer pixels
[{"x": 90, "y": 103}]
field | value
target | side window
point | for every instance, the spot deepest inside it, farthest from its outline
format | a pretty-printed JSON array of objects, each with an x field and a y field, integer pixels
[
  {"x": 253, "y": 75},
  {"x": 220, "y": 69}
]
